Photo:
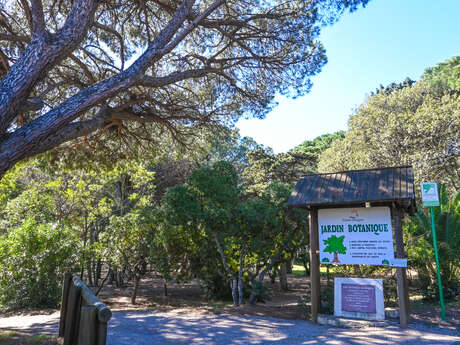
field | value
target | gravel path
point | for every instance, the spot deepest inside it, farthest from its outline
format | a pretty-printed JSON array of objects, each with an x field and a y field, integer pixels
[{"x": 164, "y": 328}]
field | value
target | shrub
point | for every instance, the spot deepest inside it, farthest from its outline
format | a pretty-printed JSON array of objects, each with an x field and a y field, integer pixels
[
  {"x": 420, "y": 246},
  {"x": 261, "y": 291},
  {"x": 33, "y": 258}
]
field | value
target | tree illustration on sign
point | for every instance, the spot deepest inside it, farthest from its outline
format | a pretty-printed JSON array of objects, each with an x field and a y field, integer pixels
[{"x": 335, "y": 245}]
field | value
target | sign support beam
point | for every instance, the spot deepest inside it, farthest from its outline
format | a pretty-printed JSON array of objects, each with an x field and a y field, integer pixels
[
  {"x": 401, "y": 275},
  {"x": 314, "y": 265}
]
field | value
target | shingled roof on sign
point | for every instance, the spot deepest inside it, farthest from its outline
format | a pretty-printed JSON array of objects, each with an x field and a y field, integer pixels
[{"x": 383, "y": 185}]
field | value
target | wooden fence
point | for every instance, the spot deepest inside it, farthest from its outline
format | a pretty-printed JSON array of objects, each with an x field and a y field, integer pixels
[{"x": 84, "y": 317}]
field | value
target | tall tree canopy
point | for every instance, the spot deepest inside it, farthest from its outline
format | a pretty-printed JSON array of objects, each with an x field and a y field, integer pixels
[
  {"x": 410, "y": 124},
  {"x": 105, "y": 69}
]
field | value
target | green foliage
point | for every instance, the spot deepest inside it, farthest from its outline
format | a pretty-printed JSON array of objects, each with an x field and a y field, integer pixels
[
  {"x": 304, "y": 302},
  {"x": 394, "y": 87},
  {"x": 265, "y": 168},
  {"x": 261, "y": 292},
  {"x": 420, "y": 246},
  {"x": 327, "y": 299},
  {"x": 314, "y": 148},
  {"x": 33, "y": 258},
  {"x": 416, "y": 125},
  {"x": 445, "y": 75}
]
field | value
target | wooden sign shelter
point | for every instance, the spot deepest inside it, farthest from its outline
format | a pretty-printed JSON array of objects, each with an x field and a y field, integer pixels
[{"x": 392, "y": 187}]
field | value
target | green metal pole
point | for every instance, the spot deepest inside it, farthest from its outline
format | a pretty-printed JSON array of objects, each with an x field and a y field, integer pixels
[{"x": 441, "y": 298}]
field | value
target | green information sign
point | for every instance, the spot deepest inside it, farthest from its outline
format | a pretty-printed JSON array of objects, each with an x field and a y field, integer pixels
[{"x": 430, "y": 195}]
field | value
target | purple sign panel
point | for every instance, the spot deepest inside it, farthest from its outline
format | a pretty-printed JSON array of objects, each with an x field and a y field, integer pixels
[{"x": 358, "y": 298}]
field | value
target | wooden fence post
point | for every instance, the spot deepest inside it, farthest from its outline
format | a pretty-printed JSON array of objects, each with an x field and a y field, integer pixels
[
  {"x": 102, "y": 333},
  {"x": 314, "y": 265},
  {"x": 65, "y": 299},
  {"x": 88, "y": 325},
  {"x": 72, "y": 316}
]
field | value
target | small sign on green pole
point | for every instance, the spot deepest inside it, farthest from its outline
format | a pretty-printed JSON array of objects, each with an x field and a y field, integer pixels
[{"x": 430, "y": 198}]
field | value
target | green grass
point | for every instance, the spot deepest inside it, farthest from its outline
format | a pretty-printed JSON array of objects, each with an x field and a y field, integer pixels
[
  {"x": 20, "y": 338},
  {"x": 6, "y": 335},
  {"x": 37, "y": 338},
  {"x": 299, "y": 270}
]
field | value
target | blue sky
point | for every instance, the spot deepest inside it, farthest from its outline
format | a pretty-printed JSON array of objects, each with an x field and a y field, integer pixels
[{"x": 385, "y": 42}]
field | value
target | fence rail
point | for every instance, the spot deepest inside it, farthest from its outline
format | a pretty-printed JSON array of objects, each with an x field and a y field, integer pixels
[{"x": 84, "y": 318}]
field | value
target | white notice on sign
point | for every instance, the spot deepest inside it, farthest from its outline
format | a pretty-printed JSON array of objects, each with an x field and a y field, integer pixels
[{"x": 355, "y": 236}]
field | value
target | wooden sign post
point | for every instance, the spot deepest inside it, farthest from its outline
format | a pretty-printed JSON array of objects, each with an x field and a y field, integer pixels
[{"x": 315, "y": 277}]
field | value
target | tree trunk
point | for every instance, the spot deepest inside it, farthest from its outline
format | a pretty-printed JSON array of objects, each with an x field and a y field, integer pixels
[
  {"x": 289, "y": 265},
  {"x": 240, "y": 274},
  {"x": 90, "y": 272},
  {"x": 165, "y": 288},
  {"x": 272, "y": 274},
  {"x": 119, "y": 279},
  {"x": 85, "y": 238},
  {"x": 98, "y": 272},
  {"x": 252, "y": 297},
  {"x": 136, "y": 286},
  {"x": 282, "y": 272},
  {"x": 111, "y": 278},
  {"x": 235, "y": 292},
  {"x": 227, "y": 269}
]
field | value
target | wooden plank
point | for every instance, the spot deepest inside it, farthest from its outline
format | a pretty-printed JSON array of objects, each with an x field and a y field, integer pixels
[
  {"x": 309, "y": 192},
  {"x": 101, "y": 333},
  {"x": 72, "y": 315},
  {"x": 314, "y": 265},
  {"x": 65, "y": 297},
  {"x": 343, "y": 181},
  {"x": 87, "y": 333},
  {"x": 323, "y": 195},
  {"x": 401, "y": 275},
  {"x": 334, "y": 188},
  {"x": 103, "y": 312},
  {"x": 350, "y": 188}
]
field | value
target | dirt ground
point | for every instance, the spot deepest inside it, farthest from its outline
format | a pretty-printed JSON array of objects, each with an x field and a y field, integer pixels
[
  {"x": 283, "y": 304},
  {"x": 188, "y": 298}
]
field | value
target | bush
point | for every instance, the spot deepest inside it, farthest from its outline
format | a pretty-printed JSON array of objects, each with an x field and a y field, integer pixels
[
  {"x": 261, "y": 291},
  {"x": 421, "y": 252},
  {"x": 304, "y": 302},
  {"x": 33, "y": 258}
]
